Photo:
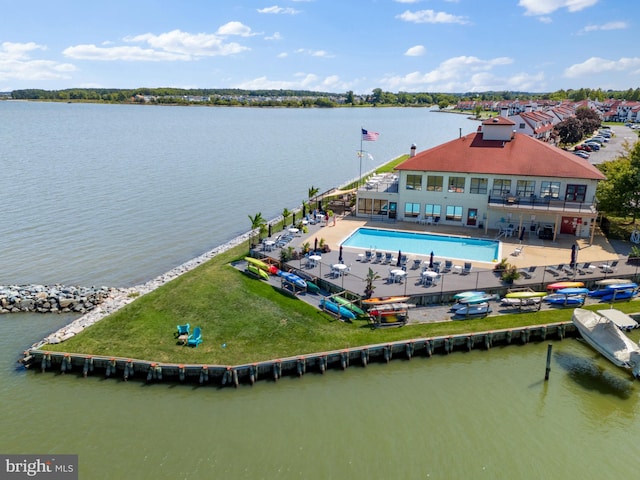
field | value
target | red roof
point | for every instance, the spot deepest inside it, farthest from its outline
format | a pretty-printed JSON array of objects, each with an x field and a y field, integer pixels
[{"x": 522, "y": 156}]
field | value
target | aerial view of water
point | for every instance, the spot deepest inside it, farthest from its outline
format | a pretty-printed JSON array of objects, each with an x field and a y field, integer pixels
[{"x": 116, "y": 195}]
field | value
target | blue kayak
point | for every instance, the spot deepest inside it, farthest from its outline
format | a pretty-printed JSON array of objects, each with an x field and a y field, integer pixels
[
  {"x": 573, "y": 291},
  {"x": 293, "y": 278},
  {"x": 337, "y": 309},
  {"x": 619, "y": 295},
  {"x": 609, "y": 289},
  {"x": 558, "y": 299}
]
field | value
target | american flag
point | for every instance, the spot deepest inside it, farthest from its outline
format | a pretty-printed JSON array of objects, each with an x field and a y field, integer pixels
[{"x": 369, "y": 136}]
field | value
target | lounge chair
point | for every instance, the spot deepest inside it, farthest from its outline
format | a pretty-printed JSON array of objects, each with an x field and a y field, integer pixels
[
  {"x": 379, "y": 257},
  {"x": 466, "y": 269},
  {"x": 518, "y": 251},
  {"x": 436, "y": 220},
  {"x": 195, "y": 338},
  {"x": 555, "y": 271},
  {"x": 528, "y": 273},
  {"x": 368, "y": 256},
  {"x": 568, "y": 270},
  {"x": 584, "y": 269},
  {"x": 609, "y": 267},
  {"x": 416, "y": 264},
  {"x": 182, "y": 330},
  {"x": 448, "y": 265},
  {"x": 388, "y": 257}
]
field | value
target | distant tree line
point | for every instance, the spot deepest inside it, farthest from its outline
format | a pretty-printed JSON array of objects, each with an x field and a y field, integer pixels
[{"x": 304, "y": 98}]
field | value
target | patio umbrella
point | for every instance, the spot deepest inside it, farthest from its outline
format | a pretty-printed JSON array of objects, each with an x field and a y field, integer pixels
[
  {"x": 340, "y": 256},
  {"x": 293, "y": 216},
  {"x": 399, "y": 261},
  {"x": 269, "y": 229},
  {"x": 574, "y": 255},
  {"x": 431, "y": 260},
  {"x": 304, "y": 210},
  {"x": 522, "y": 233},
  {"x": 315, "y": 245}
]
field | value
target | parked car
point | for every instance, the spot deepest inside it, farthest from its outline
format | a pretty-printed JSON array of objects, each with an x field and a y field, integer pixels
[
  {"x": 600, "y": 140},
  {"x": 583, "y": 147},
  {"x": 594, "y": 146},
  {"x": 604, "y": 133},
  {"x": 582, "y": 154}
]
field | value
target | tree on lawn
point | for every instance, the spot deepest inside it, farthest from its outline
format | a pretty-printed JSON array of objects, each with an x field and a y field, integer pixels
[
  {"x": 285, "y": 214},
  {"x": 570, "y": 131},
  {"x": 589, "y": 119},
  {"x": 258, "y": 223},
  {"x": 619, "y": 194}
]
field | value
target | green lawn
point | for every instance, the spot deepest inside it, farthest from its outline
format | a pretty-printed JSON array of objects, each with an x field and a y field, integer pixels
[{"x": 255, "y": 321}]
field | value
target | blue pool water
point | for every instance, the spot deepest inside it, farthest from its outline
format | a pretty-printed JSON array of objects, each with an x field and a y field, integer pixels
[{"x": 442, "y": 246}]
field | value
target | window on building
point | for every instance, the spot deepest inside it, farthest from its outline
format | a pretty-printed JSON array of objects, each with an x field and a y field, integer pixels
[
  {"x": 576, "y": 193},
  {"x": 369, "y": 206},
  {"x": 456, "y": 185},
  {"x": 454, "y": 213},
  {"x": 434, "y": 183},
  {"x": 550, "y": 189},
  {"x": 414, "y": 182},
  {"x": 525, "y": 188},
  {"x": 479, "y": 185},
  {"x": 432, "y": 210},
  {"x": 411, "y": 209},
  {"x": 521, "y": 127},
  {"x": 501, "y": 187}
]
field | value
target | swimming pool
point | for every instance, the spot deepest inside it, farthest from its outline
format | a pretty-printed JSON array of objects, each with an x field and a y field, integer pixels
[{"x": 442, "y": 246}]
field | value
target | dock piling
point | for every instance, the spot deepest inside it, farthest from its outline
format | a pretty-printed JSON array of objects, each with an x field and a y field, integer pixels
[{"x": 548, "y": 369}]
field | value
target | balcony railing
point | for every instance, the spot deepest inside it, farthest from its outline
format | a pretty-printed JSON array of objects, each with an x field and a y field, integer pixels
[{"x": 547, "y": 203}]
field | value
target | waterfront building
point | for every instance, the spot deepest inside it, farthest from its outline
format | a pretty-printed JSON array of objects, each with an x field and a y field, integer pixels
[{"x": 493, "y": 178}]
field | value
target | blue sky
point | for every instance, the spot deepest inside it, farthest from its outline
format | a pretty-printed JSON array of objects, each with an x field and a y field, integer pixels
[{"x": 321, "y": 45}]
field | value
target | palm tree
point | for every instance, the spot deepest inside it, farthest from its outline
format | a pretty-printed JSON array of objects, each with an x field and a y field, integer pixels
[
  {"x": 313, "y": 191},
  {"x": 369, "y": 279},
  {"x": 285, "y": 214},
  {"x": 257, "y": 223}
]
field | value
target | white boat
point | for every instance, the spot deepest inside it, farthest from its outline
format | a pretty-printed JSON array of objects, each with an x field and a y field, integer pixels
[
  {"x": 621, "y": 319},
  {"x": 605, "y": 336}
]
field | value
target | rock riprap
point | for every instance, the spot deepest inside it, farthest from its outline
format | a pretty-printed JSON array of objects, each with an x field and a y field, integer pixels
[{"x": 52, "y": 298}]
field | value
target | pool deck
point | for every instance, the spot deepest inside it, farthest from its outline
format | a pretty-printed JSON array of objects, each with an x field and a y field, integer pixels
[{"x": 536, "y": 252}]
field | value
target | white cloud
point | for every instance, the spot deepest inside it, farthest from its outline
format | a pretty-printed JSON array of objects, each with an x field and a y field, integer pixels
[
  {"x": 302, "y": 81},
  {"x": 596, "y": 65},
  {"x": 275, "y": 36},
  {"x": 416, "y": 51},
  {"x": 314, "y": 53},
  {"x": 171, "y": 46},
  {"x": 235, "y": 28},
  {"x": 279, "y": 10},
  {"x": 454, "y": 75},
  {"x": 199, "y": 44},
  {"x": 545, "y": 7},
  {"x": 283, "y": 55},
  {"x": 17, "y": 64},
  {"x": 431, "y": 16},
  {"x": 130, "y": 54},
  {"x": 606, "y": 26}
]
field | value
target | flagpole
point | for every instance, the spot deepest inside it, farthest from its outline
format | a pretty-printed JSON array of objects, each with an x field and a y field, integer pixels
[{"x": 360, "y": 155}]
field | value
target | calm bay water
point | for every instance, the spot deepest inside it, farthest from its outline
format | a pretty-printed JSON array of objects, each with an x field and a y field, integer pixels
[{"x": 116, "y": 195}]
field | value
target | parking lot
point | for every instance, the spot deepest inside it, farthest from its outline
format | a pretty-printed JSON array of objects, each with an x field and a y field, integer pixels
[{"x": 615, "y": 146}]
